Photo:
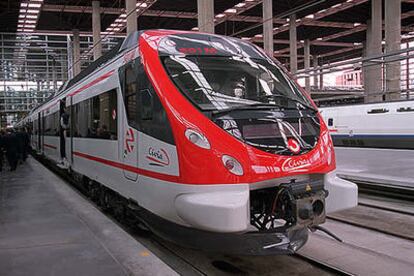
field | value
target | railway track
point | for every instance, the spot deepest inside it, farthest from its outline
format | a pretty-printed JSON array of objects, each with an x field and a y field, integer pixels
[
  {"x": 383, "y": 189},
  {"x": 324, "y": 265},
  {"x": 386, "y": 212},
  {"x": 192, "y": 262}
]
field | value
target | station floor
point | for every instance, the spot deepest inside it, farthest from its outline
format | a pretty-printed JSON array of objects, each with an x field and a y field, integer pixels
[
  {"x": 388, "y": 166},
  {"x": 46, "y": 228}
]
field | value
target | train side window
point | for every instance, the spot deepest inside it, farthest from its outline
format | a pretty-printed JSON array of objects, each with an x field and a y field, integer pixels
[
  {"x": 153, "y": 119},
  {"x": 378, "y": 111},
  {"x": 128, "y": 76},
  {"x": 330, "y": 122},
  {"x": 147, "y": 104},
  {"x": 96, "y": 117},
  {"x": 405, "y": 109},
  {"x": 51, "y": 124}
]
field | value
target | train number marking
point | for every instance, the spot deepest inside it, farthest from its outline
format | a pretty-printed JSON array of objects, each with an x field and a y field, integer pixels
[{"x": 198, "y": 50}]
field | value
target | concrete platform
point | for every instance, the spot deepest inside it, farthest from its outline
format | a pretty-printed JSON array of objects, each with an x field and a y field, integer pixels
[
  {"x": 46, "y": 228},
  {"x": 395, "y": 167}
]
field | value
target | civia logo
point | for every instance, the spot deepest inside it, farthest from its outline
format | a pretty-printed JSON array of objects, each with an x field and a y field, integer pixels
[
  {"x": 129, "y": 140},
  {"x": 295, "y": 164},
  {"x": 293, "y": 145},
  {"x": 158, "y": 157}
]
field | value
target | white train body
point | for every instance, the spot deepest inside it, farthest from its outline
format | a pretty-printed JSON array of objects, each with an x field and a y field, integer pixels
[
  {"x": 377, "y": 125},
  {"x": 181, "y": 184}
]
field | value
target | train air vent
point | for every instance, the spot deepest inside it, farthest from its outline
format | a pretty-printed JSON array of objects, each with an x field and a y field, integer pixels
[{"x": 378, "y": 110}]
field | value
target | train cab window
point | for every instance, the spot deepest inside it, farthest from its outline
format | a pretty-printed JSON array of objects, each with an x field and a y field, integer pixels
[{"x": 330, "y": 122}]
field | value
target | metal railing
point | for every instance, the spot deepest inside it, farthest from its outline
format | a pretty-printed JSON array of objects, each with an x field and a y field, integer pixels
[{"x": 364, "y": 79}]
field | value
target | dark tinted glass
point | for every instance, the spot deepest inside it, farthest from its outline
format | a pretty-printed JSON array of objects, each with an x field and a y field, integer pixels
[
  {"x": 144, "y": 109},
  {"x": 130, "y": 93},
  {"x": 51, "y": 124},
  {"x": 96, "y": 117},
  {"x": 220, "y": 82}
]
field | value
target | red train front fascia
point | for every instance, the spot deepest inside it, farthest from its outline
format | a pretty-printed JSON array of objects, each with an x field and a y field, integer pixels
[{"x": 205, "y": 166}]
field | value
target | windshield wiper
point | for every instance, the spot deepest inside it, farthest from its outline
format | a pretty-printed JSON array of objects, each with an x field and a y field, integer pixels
[
  {"x": 246, "y": 107},
  {"x": 288, "y": 98}
]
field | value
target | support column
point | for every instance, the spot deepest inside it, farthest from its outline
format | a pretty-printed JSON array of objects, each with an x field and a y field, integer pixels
[
  {"x": 205, "y": 13},
  {"x": 307, "y": 63},
  {"x": 320, "y": 76},
  {"x": 293, "y": 44},
  {"x": 76, "y": 63},
  {"x": 315, "y": 71},
  {"x": 407, "y": 70},
  {"x": 392, "y": 44},
  {"x": 131, "y": 11},
  {"x": 268, "y": 27},
  {"x": 372, "y": 69},
  {"x": 96, "y": 28}
]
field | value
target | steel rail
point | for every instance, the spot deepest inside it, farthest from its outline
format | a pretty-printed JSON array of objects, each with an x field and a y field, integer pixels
[{"x": 383, "y": 189}]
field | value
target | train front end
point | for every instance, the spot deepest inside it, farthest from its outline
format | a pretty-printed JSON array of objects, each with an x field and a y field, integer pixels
[{"x": 256, "y": 161}]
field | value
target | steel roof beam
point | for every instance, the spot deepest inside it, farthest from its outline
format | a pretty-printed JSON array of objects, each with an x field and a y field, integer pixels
[
  {"x": 227, "y": 15},
  {"x": 319, "y": 15},
  {"x": 190, "y": 15},
  {"x": 356, "y": 29}
]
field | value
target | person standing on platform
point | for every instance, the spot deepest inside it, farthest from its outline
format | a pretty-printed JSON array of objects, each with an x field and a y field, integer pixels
[
  {"x": 26, "y": 143},
  {"x": 11, "y": 144},
  {"x": 20, "y": 145}
]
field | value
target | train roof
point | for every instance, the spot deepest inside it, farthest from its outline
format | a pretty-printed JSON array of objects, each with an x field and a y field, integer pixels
[{"x": 227, "y": 46}]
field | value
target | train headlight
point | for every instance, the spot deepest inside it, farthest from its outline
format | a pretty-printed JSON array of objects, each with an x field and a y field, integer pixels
[
  {"x": 232, "y": 165},
  {"x": 197, "y": 138}
]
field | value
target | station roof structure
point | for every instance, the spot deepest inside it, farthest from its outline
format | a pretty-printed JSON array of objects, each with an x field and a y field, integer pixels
[
  {"x": 36, "y": 36},
  {"x": 336, "y": 28}
]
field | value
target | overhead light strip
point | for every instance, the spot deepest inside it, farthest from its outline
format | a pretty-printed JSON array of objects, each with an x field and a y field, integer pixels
[
  {"x": 28, "y": 15},
  {"x": 120, "y": 23}
]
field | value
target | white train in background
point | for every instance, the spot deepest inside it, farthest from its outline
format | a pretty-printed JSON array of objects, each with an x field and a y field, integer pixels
[{"x": 377, "y": 125}]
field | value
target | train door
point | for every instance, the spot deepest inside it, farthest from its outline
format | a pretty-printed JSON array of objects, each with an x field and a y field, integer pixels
[
  {"x": 129, "y": 130},
  {"x": 39, "y": 131},
  {"x": 71, "y": 130},
  {"x": 42, "y": 131},
  {"x": 64, "y": 140}
]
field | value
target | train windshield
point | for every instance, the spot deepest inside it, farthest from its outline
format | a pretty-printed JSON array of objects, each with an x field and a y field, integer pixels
[{"x": 216, "y": 83}]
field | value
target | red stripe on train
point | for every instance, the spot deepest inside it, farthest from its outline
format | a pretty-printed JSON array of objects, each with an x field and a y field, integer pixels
[
  {"x": 92, "y": 83},
  {"x": 133, "y": 169},
  {"x": 50, "y": 146}
]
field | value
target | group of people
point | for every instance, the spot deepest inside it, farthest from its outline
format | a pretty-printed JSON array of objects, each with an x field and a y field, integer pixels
[{"x": 15, "y": 146}]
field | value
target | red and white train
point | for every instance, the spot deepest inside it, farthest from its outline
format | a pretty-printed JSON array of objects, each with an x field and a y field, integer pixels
[{"x": 209, "y": 138}]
